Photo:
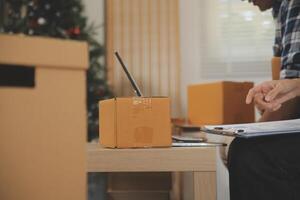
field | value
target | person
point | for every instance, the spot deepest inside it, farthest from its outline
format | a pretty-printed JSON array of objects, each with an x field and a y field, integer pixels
[{"x": 268, "y": 167}]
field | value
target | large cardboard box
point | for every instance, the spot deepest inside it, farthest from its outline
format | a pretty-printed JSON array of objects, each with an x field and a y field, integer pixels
[
  {"x": 135, "y": 122},
  {"x": 219, "y": 103},
  {"x": 42, "y": 118}
]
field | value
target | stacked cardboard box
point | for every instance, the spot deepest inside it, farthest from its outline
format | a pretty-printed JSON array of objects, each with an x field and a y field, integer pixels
[{"x": 42, "y": 118}]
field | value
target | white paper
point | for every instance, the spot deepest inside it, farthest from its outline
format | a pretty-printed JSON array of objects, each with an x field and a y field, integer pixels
[{"x": 260, "y": 128}]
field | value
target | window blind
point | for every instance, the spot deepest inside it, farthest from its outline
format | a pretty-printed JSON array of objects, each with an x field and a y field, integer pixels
[{"x": 236, "y": 39}]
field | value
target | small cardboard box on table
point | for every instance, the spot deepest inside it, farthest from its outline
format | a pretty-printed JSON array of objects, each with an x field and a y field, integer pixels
[
  {"x": 42, "y": 118},
  {"x": 135, "y": 122},
  {"x": 219, "y": 103}
]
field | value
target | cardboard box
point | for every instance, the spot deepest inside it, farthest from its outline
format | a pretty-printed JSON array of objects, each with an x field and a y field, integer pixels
[
  {"x": 43, "y": 124},
  {"x": 276, "y": 67},
  {"x": 219, "y": 103},
  {"x": 135, "y": 122}
]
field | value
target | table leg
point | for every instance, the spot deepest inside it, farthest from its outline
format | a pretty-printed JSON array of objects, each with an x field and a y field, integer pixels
[
  {"x": 175, "y": 193},
  {"x": 205, "y": 186}
]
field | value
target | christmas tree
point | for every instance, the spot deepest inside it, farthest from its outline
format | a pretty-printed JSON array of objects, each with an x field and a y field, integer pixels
[{"x": 61, "y": 19}]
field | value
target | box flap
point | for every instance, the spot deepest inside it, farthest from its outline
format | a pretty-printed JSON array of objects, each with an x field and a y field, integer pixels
[
  {"x": 43, "y": 52},
  {"x": 107, "y": 113}
]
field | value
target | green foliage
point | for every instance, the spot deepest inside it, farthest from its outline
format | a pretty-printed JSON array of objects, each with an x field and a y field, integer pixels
[{"x": 61, "y": 19}]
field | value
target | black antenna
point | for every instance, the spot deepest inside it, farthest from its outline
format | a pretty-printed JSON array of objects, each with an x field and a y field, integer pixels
[{"x": 132, "y": 81}]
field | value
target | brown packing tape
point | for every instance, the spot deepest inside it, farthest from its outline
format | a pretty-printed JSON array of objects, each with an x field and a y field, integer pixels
[{"x": 142, "y": 110}]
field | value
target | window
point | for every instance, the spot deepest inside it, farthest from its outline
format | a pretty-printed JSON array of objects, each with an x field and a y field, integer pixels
[{"x": 236, "y": 39}]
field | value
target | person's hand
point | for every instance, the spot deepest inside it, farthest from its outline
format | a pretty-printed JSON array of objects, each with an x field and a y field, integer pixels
[
  {"x": 270, "y": 95},
  {"x": 260, "y": 104}
]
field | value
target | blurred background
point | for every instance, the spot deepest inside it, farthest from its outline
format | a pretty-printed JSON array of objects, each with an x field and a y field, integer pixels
[{"x": 166, "y": 44}]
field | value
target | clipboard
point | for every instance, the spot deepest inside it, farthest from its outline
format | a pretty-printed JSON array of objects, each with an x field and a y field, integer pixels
[
  {"x": 198, "y": 144},
  {"x": 255, "y": 129}
]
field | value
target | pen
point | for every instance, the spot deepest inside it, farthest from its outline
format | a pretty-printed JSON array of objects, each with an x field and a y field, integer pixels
[{"x": 132, "y": 81}]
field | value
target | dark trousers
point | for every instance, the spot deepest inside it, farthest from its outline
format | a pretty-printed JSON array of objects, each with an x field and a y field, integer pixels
[{"x": 265, "y": 168}]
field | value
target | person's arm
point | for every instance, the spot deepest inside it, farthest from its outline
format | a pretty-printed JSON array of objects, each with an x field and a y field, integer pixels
[
  {"x": 285, "y": 105},
  {"x": 270, "y": 95},
  {"x": 276, "y": 99}
]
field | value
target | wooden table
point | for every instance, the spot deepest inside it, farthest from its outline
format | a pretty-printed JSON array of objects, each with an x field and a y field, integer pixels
[{"x": 201, "y": 161}]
